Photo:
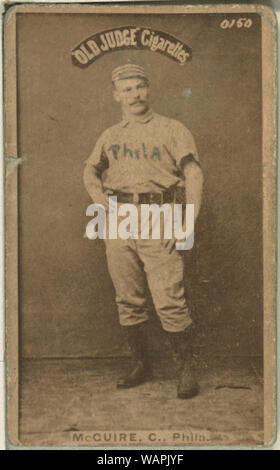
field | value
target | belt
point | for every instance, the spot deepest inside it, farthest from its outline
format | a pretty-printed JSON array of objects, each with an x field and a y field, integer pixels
[{"x": 161, "y": 197}]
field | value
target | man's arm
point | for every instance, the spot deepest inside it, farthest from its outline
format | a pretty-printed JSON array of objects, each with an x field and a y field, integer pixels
[
  {"x": 93, "y": 185},
  {"x": 193, "y": 185}
]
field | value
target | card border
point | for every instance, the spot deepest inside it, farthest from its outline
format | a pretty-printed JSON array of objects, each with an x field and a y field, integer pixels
[{"x": 13, "y": 160}]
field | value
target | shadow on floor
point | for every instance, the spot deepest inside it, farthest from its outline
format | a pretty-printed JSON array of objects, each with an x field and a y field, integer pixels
[{"x": 62, "y": 397}]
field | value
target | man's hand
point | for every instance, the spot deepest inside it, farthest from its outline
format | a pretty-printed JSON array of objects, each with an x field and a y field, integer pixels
[
  {"x": 102, "y": 199},
  {"x": 94, "y": 187},
  {"x": 193, "y": 191},
  {"x": 170, "y": 244}
]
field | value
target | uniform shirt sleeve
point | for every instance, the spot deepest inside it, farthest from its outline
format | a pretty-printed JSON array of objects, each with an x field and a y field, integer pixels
[
  {"x": 98, "y": 157},
  {"x": 183, "y": 146}
]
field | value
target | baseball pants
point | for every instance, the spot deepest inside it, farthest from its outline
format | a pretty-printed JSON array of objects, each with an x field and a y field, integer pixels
[{"x": 133, "y": 263}]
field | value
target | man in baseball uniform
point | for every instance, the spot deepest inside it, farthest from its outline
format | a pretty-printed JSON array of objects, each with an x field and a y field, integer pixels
[{"x": 147, "y": 159}]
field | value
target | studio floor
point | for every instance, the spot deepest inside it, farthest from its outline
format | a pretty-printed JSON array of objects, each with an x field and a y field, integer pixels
[{"x": 59, "y": 397}]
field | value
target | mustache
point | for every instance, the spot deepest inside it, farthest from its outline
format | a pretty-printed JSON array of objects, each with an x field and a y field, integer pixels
[{"x": 137, "y": 102}]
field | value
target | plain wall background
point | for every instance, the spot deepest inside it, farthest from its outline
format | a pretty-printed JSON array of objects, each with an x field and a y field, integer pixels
[{"x": 66, "y": 295}]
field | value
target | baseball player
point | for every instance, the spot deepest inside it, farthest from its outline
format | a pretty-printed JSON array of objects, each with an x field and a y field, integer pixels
[{"x": 144, "y": 159}]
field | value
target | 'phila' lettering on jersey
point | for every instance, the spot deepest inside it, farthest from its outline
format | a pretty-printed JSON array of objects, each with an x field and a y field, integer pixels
[{"x": 144, "y": 154}]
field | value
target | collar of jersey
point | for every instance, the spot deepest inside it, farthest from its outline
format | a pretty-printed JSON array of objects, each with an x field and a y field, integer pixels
[{"x": 142, "y": 120}]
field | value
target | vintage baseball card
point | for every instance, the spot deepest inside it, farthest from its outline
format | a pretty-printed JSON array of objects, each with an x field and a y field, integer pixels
[{"x": 140, "y": 226}]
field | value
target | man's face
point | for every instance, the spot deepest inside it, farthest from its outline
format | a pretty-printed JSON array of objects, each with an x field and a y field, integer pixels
[{"x": 133, "y": 95}]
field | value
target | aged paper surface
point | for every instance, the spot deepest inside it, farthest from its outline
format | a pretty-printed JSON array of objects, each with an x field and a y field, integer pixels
[{"x": 72, "y": 306}]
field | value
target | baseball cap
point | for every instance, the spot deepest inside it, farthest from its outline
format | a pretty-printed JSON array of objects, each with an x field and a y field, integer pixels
[{"x": 128, "y": 71}]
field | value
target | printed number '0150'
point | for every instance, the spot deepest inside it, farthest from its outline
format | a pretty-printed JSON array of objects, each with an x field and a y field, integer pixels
[{"x": 240, "y": 23}]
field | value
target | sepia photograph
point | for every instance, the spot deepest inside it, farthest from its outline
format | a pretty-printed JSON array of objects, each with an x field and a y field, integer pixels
[{"x": 140, "y": 225}]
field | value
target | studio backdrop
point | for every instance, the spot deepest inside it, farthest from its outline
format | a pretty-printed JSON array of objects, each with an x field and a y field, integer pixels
[{"x": 67, "y": 306}]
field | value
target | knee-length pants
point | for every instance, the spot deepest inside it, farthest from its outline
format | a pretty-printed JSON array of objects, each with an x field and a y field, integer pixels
[{"x": 131, "y": 263}]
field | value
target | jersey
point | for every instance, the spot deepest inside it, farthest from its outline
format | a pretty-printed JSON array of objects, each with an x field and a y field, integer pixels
[{"x": 143, "y": 155}]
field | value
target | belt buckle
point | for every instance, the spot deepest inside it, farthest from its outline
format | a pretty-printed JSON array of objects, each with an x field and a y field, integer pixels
[{"x": 156, "y": 198}]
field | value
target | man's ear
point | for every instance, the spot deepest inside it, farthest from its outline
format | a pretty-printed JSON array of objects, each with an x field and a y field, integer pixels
[{"x": 116, "y": 95}]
